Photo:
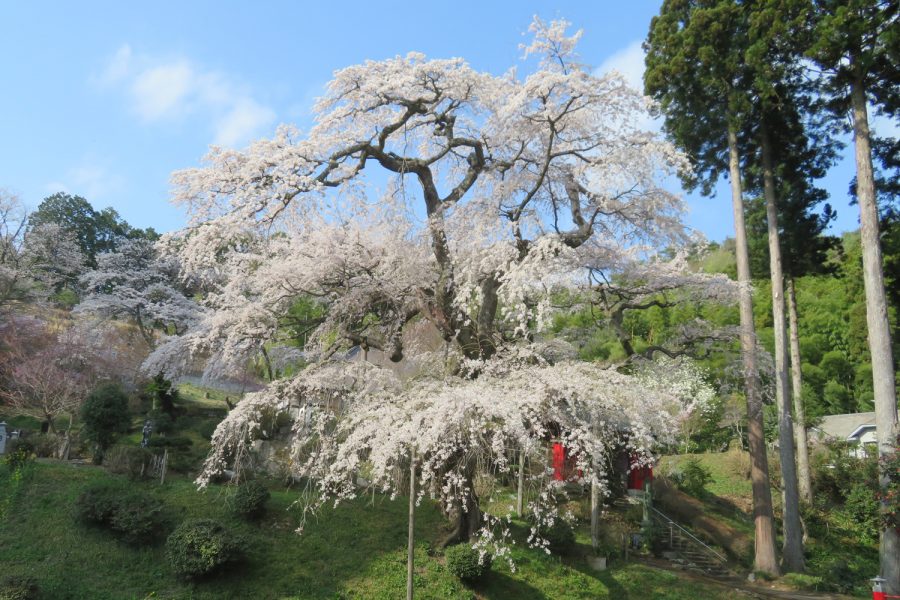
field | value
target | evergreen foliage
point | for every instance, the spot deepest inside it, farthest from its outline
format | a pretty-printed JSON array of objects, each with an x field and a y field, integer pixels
[
  {"x": 466, "y": 563},
  {"x": 200, "y": 547},
  {"x": 135, "y": 517},
  {"x": 249, "y": 501},
  {"x": 105, "y": 415}
]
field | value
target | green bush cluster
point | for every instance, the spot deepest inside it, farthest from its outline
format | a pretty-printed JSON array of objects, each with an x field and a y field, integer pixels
[
  {"x": 18, "y": 588},
  {"x": 136, "y": 518},
  {"x": 249, "y": 501},
  {"x": 802, "y": 581},
  {"x": 18, "y": 456},
  {"x": 466, "y": 563},
  {"x": 162, "y": 422},
  {"x": 44, "y": 445},
  {"x": 693, "y": 477},
  {"x": 861, "y": 507},
  {"x": 835, "y": 471},
  {"x": 96, "y": 504},
  {"x": 199, "y": 547},
  {"x": 105, "y": 416}
]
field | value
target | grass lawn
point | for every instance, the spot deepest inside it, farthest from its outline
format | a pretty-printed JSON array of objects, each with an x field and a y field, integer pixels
[
  {"x": 730, "y": 471},
  {"x": 354, "y": 551}
]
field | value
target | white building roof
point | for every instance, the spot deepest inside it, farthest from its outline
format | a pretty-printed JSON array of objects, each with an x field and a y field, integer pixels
[{"x": 845, "y": 427}]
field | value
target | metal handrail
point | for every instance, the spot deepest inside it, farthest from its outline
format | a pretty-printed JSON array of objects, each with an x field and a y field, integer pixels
[{"x": 688, "y": 533}]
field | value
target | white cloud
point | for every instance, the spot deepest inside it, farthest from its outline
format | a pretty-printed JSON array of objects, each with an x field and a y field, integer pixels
[
  {"x": 174, "y": 89},
  {"x": 161, "y": 92},
  {"x": 245, "y": 118},
  {"x": 118, "y": 66},
  {"x": 629, "y": 62}
]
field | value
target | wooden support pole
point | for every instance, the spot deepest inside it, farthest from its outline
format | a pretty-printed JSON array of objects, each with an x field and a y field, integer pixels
[{"x": 410, "y": 546}]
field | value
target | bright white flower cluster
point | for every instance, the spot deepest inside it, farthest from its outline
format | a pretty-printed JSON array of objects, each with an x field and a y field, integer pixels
[
  {"x": 503, "y": 192},
  {"x": 134, "y": 283},
  {"x": 358, "y": 421}
]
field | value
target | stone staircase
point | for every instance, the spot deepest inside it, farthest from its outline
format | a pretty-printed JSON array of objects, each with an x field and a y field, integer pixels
[{"x": 686, "y": 550}]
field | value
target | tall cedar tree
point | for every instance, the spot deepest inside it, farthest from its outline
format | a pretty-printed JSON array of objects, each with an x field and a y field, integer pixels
[
  {"x": 803, "y": 147},
  {"x": 856, "y": 46},
  {"x": 776, "y": 84},
  {"x": 696, "y": 70}
]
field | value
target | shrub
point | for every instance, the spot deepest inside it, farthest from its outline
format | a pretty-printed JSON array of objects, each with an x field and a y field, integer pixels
[
  {"x": 105, "y": 415},
  {"x": 96, "y": 504},
  {"x": 466, "y": 563},
  {"x": 835, "y": 471},
  {"x": 18, "y": 455},
  {"x": 131, "y": 461},
  {"x": 24, "y": 444},
  {"x": 18, "y": 588},
  {"x": 694, "y": 477},
  {"x": 861, "y": 506},
  {"x": 186, "y": 461},
  {"x": 654, "y": 537},
  {"x": 841, "y": 574},
  {"x": 801, "y": 581},
  {"x": 162, "y": 422},
  {"x": 200, "y": 547},
  {"x": 249, "y": 501},
  {"x": 206, "y": 428},
  {"x": 19, "y": 452},
  {"x": 560, "y": 535},
  {"x": 136, "y": 518},
  {"x": 890, "y": 464},
  {"x": 45, "y": 445}
]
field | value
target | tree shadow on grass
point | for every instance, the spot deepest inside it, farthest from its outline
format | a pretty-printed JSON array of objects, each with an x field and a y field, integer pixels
[
  {"x": 614, "y": 588},
  {"x": 500, "y": 586}
]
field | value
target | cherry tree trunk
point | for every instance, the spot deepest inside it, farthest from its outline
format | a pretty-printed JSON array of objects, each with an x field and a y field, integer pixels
[
  {"x": 803, "y": 477},
  {"x": 792, "y": 551},
  {"x": 764, "y": 525},
  {"x": 465, "y": 514},
  {"x": 878, "y": 325}
]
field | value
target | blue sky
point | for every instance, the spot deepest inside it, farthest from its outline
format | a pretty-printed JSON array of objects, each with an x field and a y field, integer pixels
[{"x": 105, "y": 100}]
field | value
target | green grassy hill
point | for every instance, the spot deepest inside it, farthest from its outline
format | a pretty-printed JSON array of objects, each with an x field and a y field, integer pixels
[
  {"x": 354, "y": 551},
  {"x": 357, "y": 550}
]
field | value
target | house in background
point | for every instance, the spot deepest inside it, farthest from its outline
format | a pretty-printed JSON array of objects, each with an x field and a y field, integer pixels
[{"x": 857, "y": 429}]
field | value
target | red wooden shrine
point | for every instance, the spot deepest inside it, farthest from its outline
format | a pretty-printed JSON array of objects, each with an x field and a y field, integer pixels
[{"x": 638, "y": 476}]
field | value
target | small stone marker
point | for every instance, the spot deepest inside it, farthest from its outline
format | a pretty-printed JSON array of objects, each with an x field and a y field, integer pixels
[{"x": 598, "y": 563}]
